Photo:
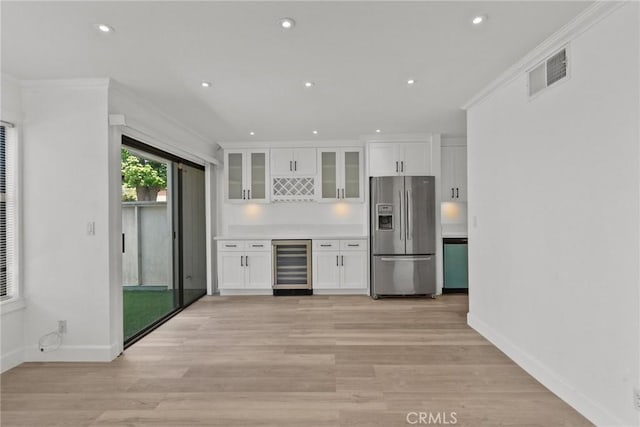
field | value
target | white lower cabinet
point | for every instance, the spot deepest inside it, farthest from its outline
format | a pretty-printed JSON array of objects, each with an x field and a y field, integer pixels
[
  {"x": 340, "y": 264},
  {"x": 244, "y": 265}
]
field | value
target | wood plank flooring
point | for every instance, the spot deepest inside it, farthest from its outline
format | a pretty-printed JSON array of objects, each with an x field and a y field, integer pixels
[{"x": 292, "y": 361}]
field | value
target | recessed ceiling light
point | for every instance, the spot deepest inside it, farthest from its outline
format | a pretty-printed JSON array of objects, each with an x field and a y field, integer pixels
[
  {"x": 252, "y": 133},
  {"x": 378, "y": 131},
  {"x": 287, "y": 23},
  {"x": 309, "y": 84},
  {"x": 104, "y": 28},
  {"x": 411, "y": 82},
  {"x": 205, "y": 84},
  {"x": 479, "y": 19},
  {"x": 315, "y": 132}
]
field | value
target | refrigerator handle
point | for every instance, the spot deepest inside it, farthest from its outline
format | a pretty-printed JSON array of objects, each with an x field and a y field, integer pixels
[
  {"x": 409, "y": 218},
  {"x": 400, "y": 213}
]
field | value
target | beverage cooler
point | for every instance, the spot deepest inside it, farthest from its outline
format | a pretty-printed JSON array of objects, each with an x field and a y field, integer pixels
[{"x": 292, "y": 267}]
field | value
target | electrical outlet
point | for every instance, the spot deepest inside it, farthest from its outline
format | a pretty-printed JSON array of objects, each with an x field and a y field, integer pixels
[
  {"x": 636, "y": 398},
  {"x": 62, "y": 326},
  {"x": 91, "y": 228}
]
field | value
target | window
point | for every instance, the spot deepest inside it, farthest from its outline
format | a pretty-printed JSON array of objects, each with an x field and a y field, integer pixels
[{"x": 7, "y": 217}]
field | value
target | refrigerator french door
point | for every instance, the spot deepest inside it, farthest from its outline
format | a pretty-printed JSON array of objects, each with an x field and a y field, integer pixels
[{"x": 403, "y": 239}]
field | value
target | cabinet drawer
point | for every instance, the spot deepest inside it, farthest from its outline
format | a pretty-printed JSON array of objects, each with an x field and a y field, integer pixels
[
  {"x": 326, "y": 245},
  {"x": 353, "y": 245},
  {"x": 258, "y": 245},
  {"x": 231, "y": 245}
]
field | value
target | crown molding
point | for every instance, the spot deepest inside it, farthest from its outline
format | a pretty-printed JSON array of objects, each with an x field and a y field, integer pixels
[
  {"x": 36, "y": 84},
  {"x": 574, "y": 28}
]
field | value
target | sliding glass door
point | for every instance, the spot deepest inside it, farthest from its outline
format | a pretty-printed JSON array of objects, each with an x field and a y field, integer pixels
[{"x": 163, "y": 240}]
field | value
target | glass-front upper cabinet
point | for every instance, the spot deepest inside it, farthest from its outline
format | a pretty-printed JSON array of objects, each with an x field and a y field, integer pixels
[
  {"x": 340, "y": 174},
  {"x": 247, "y": 177}
]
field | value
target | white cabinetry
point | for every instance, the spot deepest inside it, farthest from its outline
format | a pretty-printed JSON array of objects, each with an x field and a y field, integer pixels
[
  {"x": 340, "y": 174},
  {"x": 399, "y": 158},
  {"x": 247, "y": 178},
  {"x": 454, "y": 173},
  {"x": 293, "y": 161},
  {"x": 244, "y": 265},
  {"x": 340, "y": 265}
]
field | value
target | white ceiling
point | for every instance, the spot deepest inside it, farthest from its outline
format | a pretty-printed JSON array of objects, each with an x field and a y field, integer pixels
[{"x": 359, "y": 54}]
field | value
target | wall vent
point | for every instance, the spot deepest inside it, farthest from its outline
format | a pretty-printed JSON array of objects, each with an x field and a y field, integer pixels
[{"x": 552, "y": 70}]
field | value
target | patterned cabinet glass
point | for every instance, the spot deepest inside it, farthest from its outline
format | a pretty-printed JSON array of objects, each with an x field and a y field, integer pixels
[
  {"x": 235, "y": 175},
  {"x": 329, "y": 174},
  {"x": 352, "y": 184},
  {"x": 340, "y": 174},
  {"x": 247, "y": 175},
  {"x": 258, "y": 181}
]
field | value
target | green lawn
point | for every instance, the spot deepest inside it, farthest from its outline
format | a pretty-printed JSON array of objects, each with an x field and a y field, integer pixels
[{"x": 144, "y": 307}]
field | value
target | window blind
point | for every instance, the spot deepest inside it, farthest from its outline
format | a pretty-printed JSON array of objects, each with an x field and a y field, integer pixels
[{"x": 6, "y": 221}]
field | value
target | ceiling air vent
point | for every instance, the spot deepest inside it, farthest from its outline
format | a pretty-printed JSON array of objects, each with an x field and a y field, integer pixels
[{"x": 552, "y": 70}]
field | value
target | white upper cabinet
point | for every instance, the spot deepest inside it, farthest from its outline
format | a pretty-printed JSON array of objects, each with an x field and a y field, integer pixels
[
  {"x": 340, "y": 174},
  {"x": 293, "y": 161},
  {"x": 399, "y": 158},
  {"x": 247, "y": 175},
  {"x": 454, "y": 173}
]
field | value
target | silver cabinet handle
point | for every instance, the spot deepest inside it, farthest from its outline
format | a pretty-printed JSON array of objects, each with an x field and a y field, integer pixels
[
  {"x": 257, "y": 246},
  {"x": 343, "y": 193},
  {"x": 337, "y": 261},
  {"x": 249, "y": 194},
  {"x": 246, "y": 261},
  {"x": 402, "y": 166},
  {"x": 405, "y": 258},
  {"x": 326, "y": 246},
  {"x": 409, "y": 218},
  {"x": 244, "y": 195},
  {"x": 337, "y": 193},
  {"x": 400, "y": 214},
  {"x": 230, "y": 246},
  {"x": 295, "y": 165},
  {"x": 342, "y": 260},
  {"x": 452, "y": 193},
  {"x": 353, "y": 245},
  {"x": 291, "y": 165},
  {"x": 241, "y": 259},
  {"x": 396, "y": 166},
  {"x": 457, "y": 193}
]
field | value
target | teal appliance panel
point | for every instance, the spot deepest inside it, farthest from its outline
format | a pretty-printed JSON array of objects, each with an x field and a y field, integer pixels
[{"x": 456, "y": 264}]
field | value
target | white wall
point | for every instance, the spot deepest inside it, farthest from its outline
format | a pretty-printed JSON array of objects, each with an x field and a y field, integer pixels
[
  {"x": 66, "y": 185},
  {"x": 554, "y": 210},
  {"x": 12, "y": 313}
]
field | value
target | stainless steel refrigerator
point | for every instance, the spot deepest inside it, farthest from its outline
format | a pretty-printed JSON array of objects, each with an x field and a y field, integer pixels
[{"x": 403, "y": 236}]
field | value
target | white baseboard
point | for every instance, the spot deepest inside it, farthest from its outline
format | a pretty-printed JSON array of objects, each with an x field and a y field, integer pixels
[
  {"x": 341, "y": 291},
  {"x": 236, "y": 292},
  {"x": 72, "y": 353},
  {"x": 11, "y": 359},
  {"x": 593, "y": 411}
]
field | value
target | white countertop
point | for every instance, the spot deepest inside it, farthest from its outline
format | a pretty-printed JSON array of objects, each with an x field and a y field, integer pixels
[
  {"x": 294, "y": 231},
  {"x": 290, "y": 237}
]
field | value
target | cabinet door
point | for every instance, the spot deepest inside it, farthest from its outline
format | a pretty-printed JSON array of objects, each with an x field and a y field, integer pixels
[
  {"x": 257, "y": 176},
  {"x": 353, "y": 270},
  {"x": 230, "y": 270},
  {"x": 326, "y": 270},
  {"x": 384, "y": 159},
  {"x": 281, "y": 162},
  {"x": 328, "y": 164},
  {"x": 352, "y": 185},
  {"x": 448, "y": 172},
  {"x": 304, "y": 161},
  {"x": 460, "y": 171},
  {"x": 258, "y": 270},
  {"x": 235, "y": 165},
  {"x": 416, "y": 159}
]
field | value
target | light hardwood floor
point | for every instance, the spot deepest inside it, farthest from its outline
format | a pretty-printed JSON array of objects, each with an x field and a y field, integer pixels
[{"x": 292, "y": 361}]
